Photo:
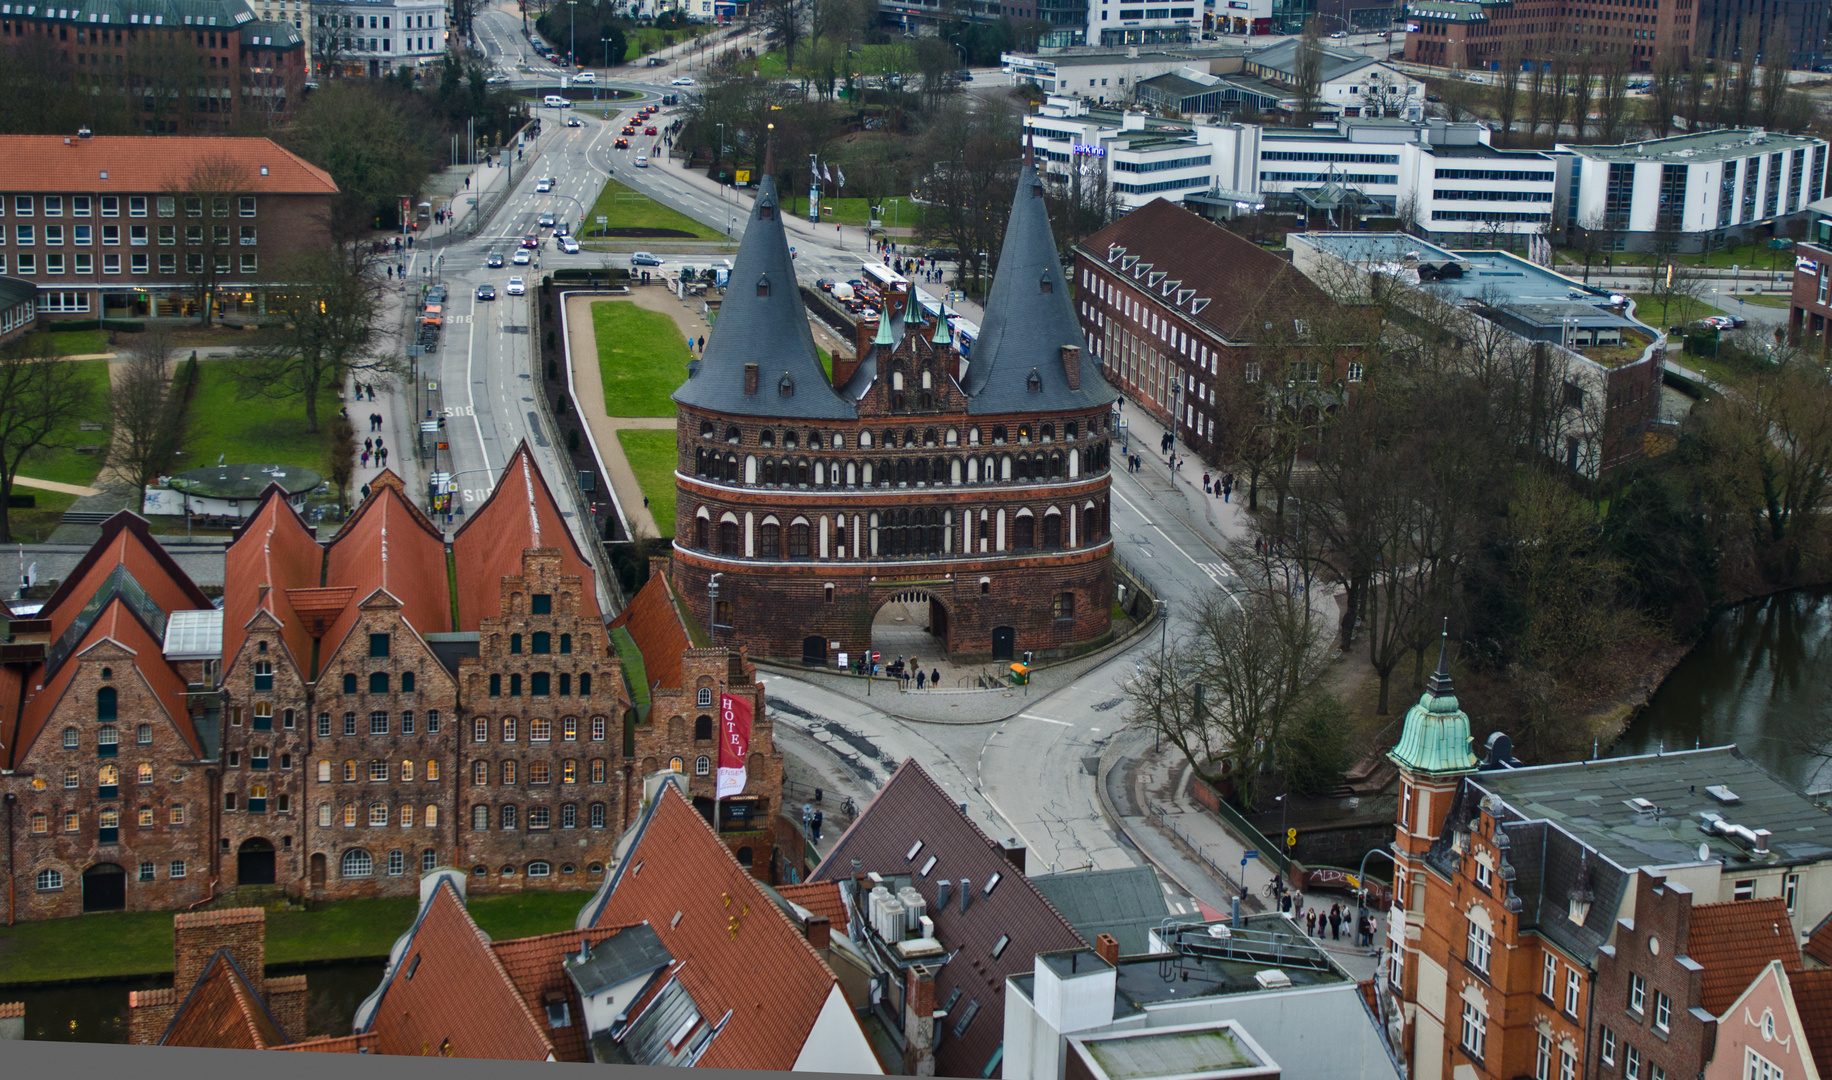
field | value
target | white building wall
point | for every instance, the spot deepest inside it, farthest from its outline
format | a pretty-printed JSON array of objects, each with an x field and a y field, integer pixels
[{"x": 836, "y": 1043}]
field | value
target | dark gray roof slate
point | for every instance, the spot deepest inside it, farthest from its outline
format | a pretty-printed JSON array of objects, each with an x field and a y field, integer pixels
[
  {"x": 1025, "y": 328},
  {"x": 16, "y": 291},
  {"x": 769, "y": 331},
  {"x": 1127, "y": 903},
  {"x": 632, "y": 952}
]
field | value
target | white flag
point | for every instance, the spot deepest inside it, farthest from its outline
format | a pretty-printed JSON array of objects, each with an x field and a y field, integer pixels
[{"x": 842, "y": 173}]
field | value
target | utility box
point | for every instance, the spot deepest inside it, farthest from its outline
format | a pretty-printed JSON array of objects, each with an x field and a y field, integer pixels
[{"x": 1020, "y": 674}]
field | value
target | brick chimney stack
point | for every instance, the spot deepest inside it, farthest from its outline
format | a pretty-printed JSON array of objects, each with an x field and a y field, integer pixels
[
  {"x": 750, "y": 380},
  {"x": 198, "y": 934},
  {"x": 1108, "y": 947},
  {"x": 819, "y": 930},
  {"x": 1071, "y": 365},
  {"x": 919, "y": 1022}
]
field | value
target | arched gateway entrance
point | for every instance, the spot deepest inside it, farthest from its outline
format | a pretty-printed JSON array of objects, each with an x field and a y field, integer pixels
[
  {"x": 910, "y": 624},
  {"x": 254, "y": 863}
]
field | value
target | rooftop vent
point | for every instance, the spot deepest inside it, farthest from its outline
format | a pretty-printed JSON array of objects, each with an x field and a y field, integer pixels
[
  {"x": 1639, "y": 805},
  {"x": 1272, "y": 979},
  {"x": 1723, "y": 794}
]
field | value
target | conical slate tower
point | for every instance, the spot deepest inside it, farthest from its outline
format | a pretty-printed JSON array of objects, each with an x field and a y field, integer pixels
[
  {"x": 762, "y": 322},
  {"x": 1030, "y": 320}
]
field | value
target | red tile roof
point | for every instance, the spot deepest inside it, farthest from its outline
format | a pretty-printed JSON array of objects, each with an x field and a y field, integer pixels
[
  {"x": 1734, "y": 941},
  {"x": 1813, "y": 1001},
  {"x": 333, "y": 1044},
  {"x": 274, "y": 549},
  {"x": 125, "y": 541},
  {"x": 389, "y": 546},
  {"x": 520, "y": 514},
  {"x": 450, "y": 990},
  {"x": 223, "y": 1012},
  {"x": 910, "y": 807},
  {"x": 536, "y": 964},
  {"x": 1244, "y": 281},
  {"x": 12, "y": 713},
  {"x": 655, "y": 625},
  {"x": 735, "y": 950},
  {"x": 116, "y": 623},
  {"x": 1819, "y": 945},
  {"x": 153, "y": 164},
  {"x": 820, "y": 897}
]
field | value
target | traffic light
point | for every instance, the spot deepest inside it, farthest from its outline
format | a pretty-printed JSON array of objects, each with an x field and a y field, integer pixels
[{"x": 442, "y": 423}]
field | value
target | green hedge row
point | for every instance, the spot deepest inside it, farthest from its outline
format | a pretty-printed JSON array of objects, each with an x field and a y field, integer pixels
[{"x": 125, "y": 326}]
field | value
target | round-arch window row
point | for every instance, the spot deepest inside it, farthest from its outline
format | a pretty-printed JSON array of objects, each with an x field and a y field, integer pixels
[
  {"x": 1022, "y": 433},
  {"x": 902, "y": 533}
]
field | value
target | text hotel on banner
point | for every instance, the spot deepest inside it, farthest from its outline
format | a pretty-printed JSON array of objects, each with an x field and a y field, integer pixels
[{"x": 734, "y": 743}]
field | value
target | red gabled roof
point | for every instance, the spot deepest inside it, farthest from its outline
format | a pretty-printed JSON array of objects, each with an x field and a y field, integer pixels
[
  {"x": 222, "y": 1012},
  {"x": 520, "y": 514},
  {"x": 451, "y": 988},
  {"x": 389, "y": 546},
  {"x": 912, "y": 807},
  {"x": 119, "y": 624},
  {"x": 537, "y": 965},
  {"x": 655, "y": 625},
  {"x": 1734, "y": 941},
  {"x": 820, "y": 897},
  {"x": 153, "y": 164},
  {"x": 272, "y": 548},
  {"x": 736, "y": 953},
  {"x": 125, "y": 541},
  {"x": 1813, "y": 1001},
  {"x": 1819, "y": 946},
  {"x": 333, "y": 1044},
  {"x": 12, "y": 710}
]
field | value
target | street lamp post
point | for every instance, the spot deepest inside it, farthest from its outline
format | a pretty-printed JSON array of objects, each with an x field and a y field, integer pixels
[
  {"x": 572, "y": 32},
  {"x": 1163, "y": 634}
]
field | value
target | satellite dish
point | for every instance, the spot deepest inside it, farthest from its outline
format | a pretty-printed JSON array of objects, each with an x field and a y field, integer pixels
[{"x": 1704, "y": 851}]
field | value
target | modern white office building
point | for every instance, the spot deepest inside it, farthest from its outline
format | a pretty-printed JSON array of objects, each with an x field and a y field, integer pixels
[
  {"x": 375, "y": 37},
  {"x": 1713, "y": 188}
]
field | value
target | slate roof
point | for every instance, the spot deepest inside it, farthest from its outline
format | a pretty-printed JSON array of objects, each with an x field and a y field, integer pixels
[
  {"x": 762, "y": 980},
  {"x": 1588, "y": 799},
  {"x": 1127, "y": 903},
  {"x": 145, "y": 164},
  {"x": 912, "y": 807},
  {"x": 1734, "y": 941},
  {"x": 445, "y": 984},
  {"x": 1283, "y": 58},
  {"x": 1026, "y": 328},
  {"x": 1245, "y": 284},
  {"x": 223, "y": 1012},
  {"x": 655, "y": 625},
  {"x": 520, "y": 514},
  {"x": 769, "y": 331}
]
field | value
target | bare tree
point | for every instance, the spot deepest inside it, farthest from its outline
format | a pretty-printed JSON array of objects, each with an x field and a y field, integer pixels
[
  {"x": 970, "y": 155},
  {"x": 332, "y": 306},
  {"x": 1613, "y": 113},
  {"x": 1774, "y": 73},
  {"x": 1539, "y": 99},
  {"x": 1694, "y": 100},
  {"x": 1578, "y": 87},
  {"x": 151, "y": 414},
  {"x": 41, "y": 400},
  {"x": 1507, "y": 89},
  {"x": 1307, "y": 73},
  {"x": 1664, "y": 95},
  {"x": 782, "y": 20},
  {"x": 1741, "y": 95},
  {"x": 206, "y": 199}
]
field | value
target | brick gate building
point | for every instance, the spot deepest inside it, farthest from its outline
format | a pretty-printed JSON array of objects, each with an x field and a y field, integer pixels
[{"x": 979, "y": 486}]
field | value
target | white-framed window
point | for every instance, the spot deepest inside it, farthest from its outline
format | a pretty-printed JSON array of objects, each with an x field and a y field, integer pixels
[
  {"x": 1475, "y": 1031},
  {"x": 1572, "y": 990},
  {"x": 1606, "y": 1046},
  {"x": 324, "y": 815},
  {"x": 1663, "y": 1011},
  {"x": 357, "y": 863},
  {"x": 176, "y": 869},
  {"x": 50, "y": 880},
  {"x": 704, "y": 698},
  {"x": 111, "y": 264},
  {"x": 1482, "y": 876},
  {"x": 1480, "y": 944},
  {"x": 1755, "y": 1066},
  {"x": 702, "y": 765},
  {"x": 1568, "y": 1064},
  {"x": 1542, "y": 1058},
  {"x": 1637, "y": 994},
  {"x": 1744, "y": 890},
  {"x": 136, "y": 206},
  {"x": 1631, "y": 1063},
  {"x": 1790, "y": 891},
  {"x": 1548, "y": 979}
]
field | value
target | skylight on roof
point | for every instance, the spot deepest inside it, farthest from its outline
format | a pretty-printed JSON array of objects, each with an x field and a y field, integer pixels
[
  {"x": 928, "y": 866},
  {"x": 910, "y": 855},
  {"x": 993, "y": 883}
]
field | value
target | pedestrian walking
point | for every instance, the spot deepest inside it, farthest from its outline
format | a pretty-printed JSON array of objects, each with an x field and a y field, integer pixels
[
  {"x": 934, "y": 678},
  {"x": 1335, "y": 922},
  {"x": 1285, "y": 903},
  {"x": 365, "y": 459},
  {"x": 922, "y": 680},
  {"x": 1205, "y": 482},
  {"x": 384, "y": 457},
  {"x": 369, "y": 444},
  {"x": 1310, "y": 922},
  {"x": 1227, "y": 487}
]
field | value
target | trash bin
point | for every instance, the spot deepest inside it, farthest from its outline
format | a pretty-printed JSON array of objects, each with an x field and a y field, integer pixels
[{"x": 1020, "y": 674}]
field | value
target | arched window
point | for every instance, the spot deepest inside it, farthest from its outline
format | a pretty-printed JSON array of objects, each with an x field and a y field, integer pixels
[
  {"x": 702, "y": 532},
  {"x": 105, "y": 703},
  {"x": 1025, "y": 533},
  {"x": 731, "y": 540},
  {"x": 706, "y": 429},
  {"x": 539, "y": 869},
  {"x": 702, "y": 728},
  {"x": 1052, "y": 531},
  {"x": 357, "y": 863},
  {"x": 798, "y": 540},
  {"x": 50, "y": 880},
  {"x": 702, "y": 765},
  {"x": 769, "y": 541}
]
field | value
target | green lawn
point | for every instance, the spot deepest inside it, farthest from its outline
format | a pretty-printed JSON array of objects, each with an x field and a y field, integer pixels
[
  {"x": 1654, "y": 311},
  {"x": 642, "y": 358},
  {"x": 644, "y": 40},
  {"x": 1751, "y": 258},
  {"x": 66, "y": 465},
  {"x": 1769, "y": 300},
  {"x": 28, "y": 526},
  {"x": 72, "y": 342},
  {"x": 261, "y": 430},
  {"x": 899, "y": 212},
  {"x": 652, "y": 456},
  {"x": 119, "y": 943},
  {"x": 826, "y": 362},
  {"x": 627, "y": 209}
]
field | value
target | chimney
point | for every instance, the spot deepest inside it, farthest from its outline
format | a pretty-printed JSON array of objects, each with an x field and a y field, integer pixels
[
  {"x": 197, "y": 935},
  {"x": 1071, "y": 365},
  {"x": 966, "y": 893},
  {"x": 1108, "y": 947},
  {"x": 750, "y": 380},
  {"x": 919, "y": 1021},
  {"x": 12, "y": 1021},
  {"x": 819, "y": 931},
  {"x": 1014, "y": 854},
  {"x": 1762, "y": 836}
]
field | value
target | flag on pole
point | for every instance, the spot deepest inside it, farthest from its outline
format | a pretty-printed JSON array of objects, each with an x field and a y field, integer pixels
[
  {"x": 734, "y": 744},
  {"x": 842, "y": 175},
  {"x": 827, "y": 173}
]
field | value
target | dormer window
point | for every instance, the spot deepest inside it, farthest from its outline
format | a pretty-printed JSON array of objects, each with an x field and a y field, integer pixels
[
  {"x": 1034, "y": 383},
  {"x": 1044, "y": 283},
  {"x": 763, "y": 286},
  {"x": 786, "y": 387},
  {"x": 766, "y": 210}
]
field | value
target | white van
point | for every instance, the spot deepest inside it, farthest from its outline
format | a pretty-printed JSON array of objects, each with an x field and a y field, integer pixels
[
  {"x": 842, "y": 291},
  {"x": 585, "y": 76},
  {"x": 555, "y": 101}
]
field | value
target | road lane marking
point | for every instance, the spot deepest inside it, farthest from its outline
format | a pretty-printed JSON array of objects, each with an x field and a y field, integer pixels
[
  {"x": 1045, "y": 719},
  {"x": 470, "y": 388}
]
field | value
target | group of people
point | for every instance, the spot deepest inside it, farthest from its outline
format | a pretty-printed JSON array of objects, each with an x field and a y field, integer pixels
[
  {"x": 374, "y": 447},
  {"x": 1318, "y": 923},
  {"x": 1223, "y": 486}
]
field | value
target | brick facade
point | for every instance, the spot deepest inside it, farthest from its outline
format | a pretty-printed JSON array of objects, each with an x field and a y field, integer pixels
[
  {"x": 1646, "y": 984},
  {"x": 542, "y": 719},
  {"x": 266, "y": 745}
]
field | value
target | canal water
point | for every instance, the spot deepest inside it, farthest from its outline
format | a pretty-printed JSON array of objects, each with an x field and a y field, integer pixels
[
  {"x": 97, "y": 1012},
  {"x": 1761, "y": 678}
]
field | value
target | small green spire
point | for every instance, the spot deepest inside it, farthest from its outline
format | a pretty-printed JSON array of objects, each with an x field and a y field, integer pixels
[
  {"x": 942, "y": 336},
  {"x": 1436, "y": 739},
  {"x": 884, "y": 330}
]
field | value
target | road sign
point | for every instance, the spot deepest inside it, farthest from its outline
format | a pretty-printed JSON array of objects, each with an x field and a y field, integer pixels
[
  {"x": 416, "y": 350},
  {"x": 743, "y": 176},
  {"x": 432, "y": 385},
  {"x": 603, "y": 221},
  {"x": 1247, "y": 855},
  {"x": 1291, "y": 837}
]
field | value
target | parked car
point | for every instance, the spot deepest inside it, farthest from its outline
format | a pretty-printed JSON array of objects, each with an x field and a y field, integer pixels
[
  {"x": 487, "y": 291},
  {"x": 436, "y": 295},
  {"x": 643, "y": 258},
  {"x": 494, "y": 260},
  {"x": 516, "y": 287}
]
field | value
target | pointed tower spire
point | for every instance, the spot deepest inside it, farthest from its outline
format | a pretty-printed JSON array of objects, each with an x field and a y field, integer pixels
[
  {"x": 1440, "y": 685},
  {"x": 884, "y": 336},
  {"x": 942, "y": 336},
  {"x": 1435, "y": 740}
]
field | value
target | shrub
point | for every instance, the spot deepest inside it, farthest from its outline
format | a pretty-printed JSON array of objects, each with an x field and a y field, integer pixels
[{"x": 572, "y": 439}]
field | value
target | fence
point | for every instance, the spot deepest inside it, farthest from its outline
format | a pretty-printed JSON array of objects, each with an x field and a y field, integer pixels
[
  {"x": 1231, "y": 880},
  {"x": 1268, "y": 851}
]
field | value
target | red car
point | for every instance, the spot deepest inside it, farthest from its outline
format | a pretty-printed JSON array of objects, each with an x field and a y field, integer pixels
[
  {"x": 532, "y": 240},
  {"x": 651, "y": 130}
]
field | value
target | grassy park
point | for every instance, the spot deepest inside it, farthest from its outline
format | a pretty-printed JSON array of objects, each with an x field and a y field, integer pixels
[
  {"x": 268, "y": 431},
  {"x": 69, "y": 465},
  {"x": 899, "y": 212},
  {"x": 642, "y": 358},
  {"x": 626, "y": 209},
  {"x": 123, "y": 943},
  {"x": 70, "y": 342},
  {"x": 652, "y": 456}
]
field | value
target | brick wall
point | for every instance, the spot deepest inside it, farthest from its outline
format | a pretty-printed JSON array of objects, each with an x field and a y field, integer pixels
[
  {"x": 266, "y": 751},
  {"x": 382, "y": 756},
  {"x": 1652, "y": 947},
  {"x": 197, "y": 935},
  {"x": 149, "y": 1013},
  {"x": 287, "y": 1000},
  {"x": 538, "y": 790},
  {"x": 156, "y": 776}
]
